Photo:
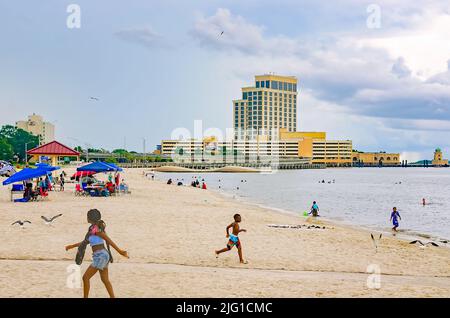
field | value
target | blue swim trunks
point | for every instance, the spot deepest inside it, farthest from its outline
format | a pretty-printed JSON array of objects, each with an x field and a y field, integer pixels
[
  {"x": 233, "y": 241},
  {"x": 100, "y": 259}
]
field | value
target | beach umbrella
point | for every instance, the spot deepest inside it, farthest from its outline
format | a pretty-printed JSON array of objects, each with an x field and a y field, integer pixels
[
  {"x": 25, "y": 174},
  {"x": 82, "y": 174}
]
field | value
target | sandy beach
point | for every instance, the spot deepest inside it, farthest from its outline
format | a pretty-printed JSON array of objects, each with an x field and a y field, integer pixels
[{"x": 171, "y": 233}]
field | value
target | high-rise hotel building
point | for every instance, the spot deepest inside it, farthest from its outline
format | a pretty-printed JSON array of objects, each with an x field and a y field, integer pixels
[{"x": 266, "y": 107}]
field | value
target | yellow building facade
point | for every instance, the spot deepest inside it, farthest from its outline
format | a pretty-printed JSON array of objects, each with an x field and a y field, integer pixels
[
  {"x": 375, "y": 158},
  {"x": 266, "y": 107},
  {"x": 438, "y": 160}
]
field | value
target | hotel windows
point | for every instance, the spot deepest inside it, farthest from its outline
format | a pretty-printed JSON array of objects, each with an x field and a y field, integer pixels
[
  {"x": 290, "y": 87},
  {"x": 257, "y": 84},
  {"x": 244, "y": 95},
  {"x": 274, "y": 85}
]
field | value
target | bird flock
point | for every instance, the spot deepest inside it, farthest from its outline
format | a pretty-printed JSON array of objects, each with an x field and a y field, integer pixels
[{"x": 47, "y": 221}]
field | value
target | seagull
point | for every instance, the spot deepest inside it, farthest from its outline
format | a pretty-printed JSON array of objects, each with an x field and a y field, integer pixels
[
  {"x": 375, "y": 241},
  {"x": 221, "y": 33},
  {"x": 93, "y": 98},
  {"x": 49, "y": 221},
  {"x": 21, "y": 223}
]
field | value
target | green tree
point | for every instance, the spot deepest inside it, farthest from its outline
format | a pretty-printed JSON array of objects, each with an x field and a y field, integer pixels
[
  {"x": 18, "y": 138},
  {"x": 6, "y": 150},
  {"x": 120, "y": 151}
]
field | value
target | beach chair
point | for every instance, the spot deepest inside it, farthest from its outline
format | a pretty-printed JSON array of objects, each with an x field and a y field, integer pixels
[
  {"x": 42, "y": 193},
  {"x": 79, "y": 191},
  {"x": 17, "y": 189}
]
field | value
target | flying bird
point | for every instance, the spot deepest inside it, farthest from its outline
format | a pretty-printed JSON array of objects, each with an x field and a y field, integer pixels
[
  {"x": 375, "y": 241},
  {"x": 422, "y": 244},
  {"x": 221, "y": 33},
  {"x": 93, "y": 98},
  {"x": 21, "y": 223},
  {"x": 49, "y": 221}
]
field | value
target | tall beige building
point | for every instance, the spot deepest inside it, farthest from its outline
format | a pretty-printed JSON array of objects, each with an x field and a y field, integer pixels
[
  {"x": 35, "y": 125},
  {"x": 266, "y": 107}
]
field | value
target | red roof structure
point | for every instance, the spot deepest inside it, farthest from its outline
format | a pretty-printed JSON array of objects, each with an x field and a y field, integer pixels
[{"x": 53, "y": 148}]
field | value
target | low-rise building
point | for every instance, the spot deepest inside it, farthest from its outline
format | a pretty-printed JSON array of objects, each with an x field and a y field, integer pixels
[
  {"x": 373, "y": 159},
  {"x": 292, "y": 146}
]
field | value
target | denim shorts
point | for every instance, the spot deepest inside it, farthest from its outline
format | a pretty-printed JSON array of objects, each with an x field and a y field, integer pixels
[{"x": 100, "y": 259}]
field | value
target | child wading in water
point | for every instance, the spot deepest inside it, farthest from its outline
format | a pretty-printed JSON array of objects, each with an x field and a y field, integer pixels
[
  {"x": 394, "y": 218},
  {"x": 233, "y": 238},
  {"x": 101, "y": 256}
]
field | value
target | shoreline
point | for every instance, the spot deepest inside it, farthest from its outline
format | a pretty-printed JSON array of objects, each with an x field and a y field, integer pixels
[
  {"x": 171, "y": 233},
  {"x": 405, "y": 235}
]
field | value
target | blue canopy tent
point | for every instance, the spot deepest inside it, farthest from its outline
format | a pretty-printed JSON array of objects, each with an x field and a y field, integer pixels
[
  {"x": 114, "y": 166},
  {"x": 25, "y": 174},
  {"x": 46, "y": 167},
  {"x": 98, "y": 166}
]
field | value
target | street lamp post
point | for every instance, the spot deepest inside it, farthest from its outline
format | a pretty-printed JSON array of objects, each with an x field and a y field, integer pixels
[{"x": 26, "y": 150}]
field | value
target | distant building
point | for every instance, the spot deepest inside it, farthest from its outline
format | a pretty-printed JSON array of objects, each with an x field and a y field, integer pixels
[
  {"x": 375, "y": 159},
  {"x": 308, "y": 147},
  {"x": 35, "y": 125},
  {"x": 437, "y": 159},
  {"x": 266, "y": 107}
]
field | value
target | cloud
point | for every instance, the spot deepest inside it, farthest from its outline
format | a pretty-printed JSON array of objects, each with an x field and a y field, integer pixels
[
  {"x": 441, "y": 78},
  {"x": 144, "y": 36},
  {"x": 400, "y": 69},
  {"x": 346, "y": 70},
  {"x": 238, "y": 35}
]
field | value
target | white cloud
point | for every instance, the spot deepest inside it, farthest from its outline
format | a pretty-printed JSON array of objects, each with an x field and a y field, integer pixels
[{"x": 145, "y": 36}]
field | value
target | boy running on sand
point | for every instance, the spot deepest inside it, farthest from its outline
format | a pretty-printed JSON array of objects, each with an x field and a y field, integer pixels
[{"x": 233, "y": 238}]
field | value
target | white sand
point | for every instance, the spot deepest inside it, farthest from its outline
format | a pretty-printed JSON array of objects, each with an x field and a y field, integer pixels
[{"x": 171, "y": 233}]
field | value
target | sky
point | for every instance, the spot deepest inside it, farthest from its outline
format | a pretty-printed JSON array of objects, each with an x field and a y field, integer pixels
[{"x": 377, "y": 73}]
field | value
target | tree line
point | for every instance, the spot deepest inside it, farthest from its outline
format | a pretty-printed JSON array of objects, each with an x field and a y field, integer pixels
[{"x": 13, "y": 142}]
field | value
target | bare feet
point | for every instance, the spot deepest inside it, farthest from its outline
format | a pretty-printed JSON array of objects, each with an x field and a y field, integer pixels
[
  {"x": 217, "y": 254},
  {"x": 244, "y": 262}
]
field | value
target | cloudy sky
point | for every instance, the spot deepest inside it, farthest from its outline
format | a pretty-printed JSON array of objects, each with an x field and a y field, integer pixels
[{"x": 158, "y": 65}]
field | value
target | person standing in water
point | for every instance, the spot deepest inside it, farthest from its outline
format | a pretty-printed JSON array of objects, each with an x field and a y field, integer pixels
[
  {"x": 423, "y": 202},
  {"x": 314, "y": 209},
  {"x": 394, "y": 218},
  {"x": 101, "y": 256}
]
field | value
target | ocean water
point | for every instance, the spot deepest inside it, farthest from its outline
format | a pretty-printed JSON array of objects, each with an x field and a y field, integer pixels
[{"x": 358, "y": 196}]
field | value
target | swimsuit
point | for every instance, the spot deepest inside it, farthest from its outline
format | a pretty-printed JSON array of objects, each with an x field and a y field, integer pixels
[
  {"x": 100, "y": 258},
  {"x": 394, "y": 216},
  {"x": 233, "y": 241}
]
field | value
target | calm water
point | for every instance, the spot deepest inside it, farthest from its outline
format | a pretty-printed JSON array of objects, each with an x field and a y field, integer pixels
[{"x": 361, "y": 196}]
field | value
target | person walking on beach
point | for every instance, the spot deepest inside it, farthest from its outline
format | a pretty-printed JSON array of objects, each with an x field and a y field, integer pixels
[
  {"x": 314, "y": 209},
  {"x": 233, "y": 239},
  {"x": 101, "y": 257},
  {"x": 394, "y": 218}
]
